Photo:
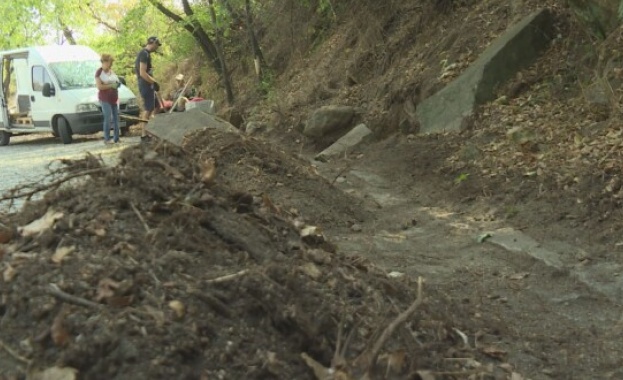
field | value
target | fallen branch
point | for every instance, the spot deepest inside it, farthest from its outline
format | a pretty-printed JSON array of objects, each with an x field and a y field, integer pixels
[
  {"x": 140, "y": 217},
  {"x": 131, "y": 117},
  {"x": 368, "y": 358},
  {"x": 320, "y": 371},
  {"x": 175, "y": 173},
  {"x": 51, "y": 185},
  {"x": 228, "y": 277},
  {"x": 14, "y": 354},
  {"x": 55, "y": 291}
]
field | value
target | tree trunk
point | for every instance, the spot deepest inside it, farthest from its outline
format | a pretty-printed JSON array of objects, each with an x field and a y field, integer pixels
[
  {"x": 67, "y": 33},
  {"x": 258, "y": 57},
  {"x": 194, "y": 28},
  {"x": 219, "y": 50}
]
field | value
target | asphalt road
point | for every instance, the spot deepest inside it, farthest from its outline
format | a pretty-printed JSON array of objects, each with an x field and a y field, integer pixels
[{"x": 27, "y": 158}]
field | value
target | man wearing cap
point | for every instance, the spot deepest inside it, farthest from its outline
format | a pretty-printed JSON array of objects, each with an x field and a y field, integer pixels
[{"x": 147, "y": 85}]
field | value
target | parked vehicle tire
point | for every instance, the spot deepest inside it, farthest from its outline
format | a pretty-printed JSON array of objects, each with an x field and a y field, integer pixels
[
  {"x": 64, "y": 131},
  {"x": 5, "y": 137}
]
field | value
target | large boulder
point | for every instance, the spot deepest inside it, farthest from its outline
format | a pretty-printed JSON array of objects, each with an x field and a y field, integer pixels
[
  {"x": 329, "y": 121},
  {"x": 174, "y": 127},
  {"x": 453, "y": 106}
]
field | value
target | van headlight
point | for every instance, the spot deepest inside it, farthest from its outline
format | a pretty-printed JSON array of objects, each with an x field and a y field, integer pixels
[
  {"x": 87, "y": 107},
  {"x": 132, "y": 103}
]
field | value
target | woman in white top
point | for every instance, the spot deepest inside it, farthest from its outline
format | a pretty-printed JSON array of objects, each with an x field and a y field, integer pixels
[{"x": 107, "y": 84}]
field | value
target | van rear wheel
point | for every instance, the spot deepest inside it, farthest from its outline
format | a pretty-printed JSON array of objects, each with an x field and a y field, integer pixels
[
  {"x": 5, "y": 137},
  {"x": 64, "y": 131}
]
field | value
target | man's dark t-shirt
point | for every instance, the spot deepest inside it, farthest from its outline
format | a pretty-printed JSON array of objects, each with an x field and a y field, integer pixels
[{"x": 145, "y": 57}]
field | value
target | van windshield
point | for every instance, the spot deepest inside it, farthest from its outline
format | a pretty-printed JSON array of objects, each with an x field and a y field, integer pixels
[{"x": 75, "y": 74}]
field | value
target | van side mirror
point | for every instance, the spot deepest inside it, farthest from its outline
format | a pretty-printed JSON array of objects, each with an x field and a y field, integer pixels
[
  {"x": 48, "y": 90},
  {"x": 122, "y": 80}
]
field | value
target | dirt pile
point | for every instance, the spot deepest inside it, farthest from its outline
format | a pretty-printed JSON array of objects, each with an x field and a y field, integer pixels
[{"x": 160, "y": 267}]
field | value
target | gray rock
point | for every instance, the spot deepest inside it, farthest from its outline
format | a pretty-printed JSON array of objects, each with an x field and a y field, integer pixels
[
  {"x": 253, "y": 127},
  {"x": 173, "y": 127},
  {"x": 346, "y": 143},
  {"x": 329, "y": 120},
  {"x": 453, "y": 107}
]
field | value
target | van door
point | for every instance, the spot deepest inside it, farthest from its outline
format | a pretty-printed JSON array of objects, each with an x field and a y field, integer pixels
[
  {"x": 42, "y": 108},
  {"x": 4, "y": 93},
  {"x": 22, "y": 81}
]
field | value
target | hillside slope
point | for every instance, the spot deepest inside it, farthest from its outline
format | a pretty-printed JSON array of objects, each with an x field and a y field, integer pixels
[{"x": 550, "y": 142}]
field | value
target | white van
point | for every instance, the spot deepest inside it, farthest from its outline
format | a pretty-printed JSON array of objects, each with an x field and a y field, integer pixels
[{"x": 52, "y": 89}]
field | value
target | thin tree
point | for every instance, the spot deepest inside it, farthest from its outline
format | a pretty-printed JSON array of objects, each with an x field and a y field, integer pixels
[
  {"x": 258, "y": 57},
  {"x": 247, "y": 20},
  {"x": 219, "y": 52}
]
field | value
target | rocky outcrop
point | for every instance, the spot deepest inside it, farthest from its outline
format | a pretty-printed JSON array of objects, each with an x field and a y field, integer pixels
[{"x": 452, "y": 107}]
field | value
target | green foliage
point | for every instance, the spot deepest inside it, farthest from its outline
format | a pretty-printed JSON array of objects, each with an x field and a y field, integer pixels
[
  {"x": 121, "y": 27},
  {"x": 267, "y": 84},
  {"x": 461, "y": 178},
  {"x": 21, "y": 24}
]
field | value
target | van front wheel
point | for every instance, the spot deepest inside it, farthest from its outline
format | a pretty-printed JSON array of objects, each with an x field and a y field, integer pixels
[
  {"x": 5, "y": 137},
  {"x": 64, "y": 131}
]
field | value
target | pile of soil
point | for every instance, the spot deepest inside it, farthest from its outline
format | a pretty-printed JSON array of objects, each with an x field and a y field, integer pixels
[{"x": 181, "y": 263}]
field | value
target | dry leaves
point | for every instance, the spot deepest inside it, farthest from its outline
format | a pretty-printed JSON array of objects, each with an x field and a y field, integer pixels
[
  {"x": 60, "y": 335},
  {"x": 37, "y": 226},
  {"x": 208, "y": 171},
  {"x": 54, "y": 373},
  {"x": 62, "y": 252},
  {"x": 9, "y": 273},
  {"x": 493, "y": 351},
  {"x": 6, "y": 234},
  {"x": 311, "y": 270},
  {"x": 178, "y": 308},
  {"x": 395, "y": 360},
  {"x": 106, "y": 289}
]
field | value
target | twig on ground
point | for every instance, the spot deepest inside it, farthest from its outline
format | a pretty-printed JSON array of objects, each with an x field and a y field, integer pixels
[
  {"x": 614, "y": 148},
  {"x": 140, "y": 217},
  {"x": 14, "y": 354},
  {"x": 228, "y": 277},
  {"x": 368, "y": 357},
  {"x": 55, "y": 291}
]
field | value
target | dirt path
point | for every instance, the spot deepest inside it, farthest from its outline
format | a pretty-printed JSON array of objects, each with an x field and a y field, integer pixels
[{"x": 555, "y": 314}]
